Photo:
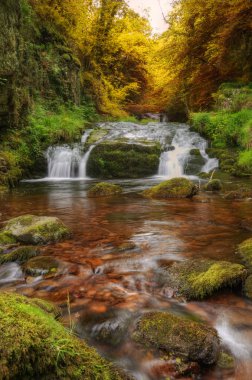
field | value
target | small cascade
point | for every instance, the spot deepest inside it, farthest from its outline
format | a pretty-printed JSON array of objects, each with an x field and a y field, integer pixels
[
  {"x": 83, "y": 163},
  {"x": 62, "y": 161}
]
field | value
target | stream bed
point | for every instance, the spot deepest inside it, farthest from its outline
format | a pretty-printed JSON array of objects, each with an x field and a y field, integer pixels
[{"x": 108, "y": 268}]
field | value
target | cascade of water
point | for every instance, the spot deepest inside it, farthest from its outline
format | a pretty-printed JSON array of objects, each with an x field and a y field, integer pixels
[
  {"x": 83, "y": 163},
  {"x": 62, "y": 161}
]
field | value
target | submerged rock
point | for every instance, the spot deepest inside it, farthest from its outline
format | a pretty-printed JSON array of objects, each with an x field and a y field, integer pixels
[
  {"x": 20, "y": 254},
  {"x": 31, "y": 229},
  {"x": 197, "y": 279},
  {"x": 173, "y": 188},
  {"x": 213, "y": 185},
  {"x": 176, "y": 335},
  {"x": 34, "y": 345},
  {"x": 42, "y": 265},
  {"x": 104, "y": 189},
  {"x": 238, "y": 194},
  {"x": 124, "y": 159}
]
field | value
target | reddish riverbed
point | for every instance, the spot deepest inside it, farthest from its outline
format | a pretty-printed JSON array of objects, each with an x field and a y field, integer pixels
[{"x": 108, "y": 267}]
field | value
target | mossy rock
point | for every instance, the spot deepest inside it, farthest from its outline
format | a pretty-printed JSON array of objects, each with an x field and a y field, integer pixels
[
  {"x": 245, "y": 253},
  {"x": 226, "y": 361},
  {"x": 32, "y": 229},
  {"x": 194, "y": 162},
  {"x": 34, "y": 345},
  {"x": 20, "y": 254},
  {"x": 96, "y": 135},
  {"x": 213, "y": 185},
  {"x": 198, "y": 279},
  {"x": 195, "y": 152},
  {"x": 204, "y": 175},
  {"x": 178, "y": 336},
  {"x": 173, "y": 188},
  {"x": 104, "y": 189},
  {"x": 114, "y": 159},
  {"x": 42, "y": 265},
  {"x": 247, "y": 288},
  {"x": 6, "y": 239}
]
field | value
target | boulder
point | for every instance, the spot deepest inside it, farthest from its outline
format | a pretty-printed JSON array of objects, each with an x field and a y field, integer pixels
[
  {"x": 245, "y": 253},
  {"x": 197, "y": 279},
  {"x": 194, "y": 162},
  {"x": 247, "y": 288},
  {"x": 124, "y": 159},
  {"x": 104, "y": 189},
  {"x": 34, "y": 345},
  {"x": 31, "y": 229},
  {"x": 179, "y": 336},
  {"x": 173, "y": 188},
  {"x": 213, "y": 185}
]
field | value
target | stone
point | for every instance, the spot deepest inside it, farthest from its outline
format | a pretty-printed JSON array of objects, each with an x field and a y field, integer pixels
[
  {"x": 213, "y": 185},
  {"x": 173, "y": 188},
  {"x": 104, "y": 189}
]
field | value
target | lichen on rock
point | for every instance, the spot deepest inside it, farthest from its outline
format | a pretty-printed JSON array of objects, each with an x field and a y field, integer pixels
[
  {"x": 180, "y": 336},
  {"x": 173, "y": 188}
]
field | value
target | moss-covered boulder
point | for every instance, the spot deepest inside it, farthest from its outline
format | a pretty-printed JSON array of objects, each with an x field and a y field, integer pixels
[
  {"x": 245, "y": 253},
  {"x": 197, "y": 279},
  {"x": 122, "y": 159},
  {"x": 42, "y": 265},
  {"x": 173, "y": 188},
  {"x": 104, "y": 189},
  {"x": 6, "y": 239},
  {"x": 33, "y": 345},
  {"x": 247, "y": 288},
  {"x": 179, "y": 336},
  {"x": 213, "y": 185},
  {"x": 20, "y": 254},
  {"x": 31, "y": 229}
]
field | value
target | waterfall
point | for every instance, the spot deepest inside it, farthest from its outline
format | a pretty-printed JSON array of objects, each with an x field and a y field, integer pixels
[
  {"x": 83, "y": 163},
  {"x": 62, "y": 161}
]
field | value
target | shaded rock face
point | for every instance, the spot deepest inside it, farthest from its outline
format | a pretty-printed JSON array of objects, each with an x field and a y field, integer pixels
[
  {"x": 122, "y": 160},
  {"x": 178, "y": 336},
  {"x": 194, "y": 163},
  {"x": 198, "y": 279},
  {"x": 30, "y": 229},
  {"x": 104, "y": 189},
  {"x": 173, "y": 188}
]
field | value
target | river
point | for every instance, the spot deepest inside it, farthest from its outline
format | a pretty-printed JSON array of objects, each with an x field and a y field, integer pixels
[{"x": 108, "y": 268}]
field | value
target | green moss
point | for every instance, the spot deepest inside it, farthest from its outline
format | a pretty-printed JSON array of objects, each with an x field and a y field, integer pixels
[
  {"x": 21, "y": 255},
  {"x": 178, "y": 336},
  {"x": 36, "y": 229},
  {"x": 34, "y": 345},
  {"x": 6, "y": 239},
  {"x": 173, "y": 188},
  {"x": 213, "y": 185},
  {"x": 247, "y": 289},
  {"x": 104, "y": 189},
  {"x": 197, "y": 279},
  {"x": 42, "y": 265},
  {"x": 195, "y": 152},
  {"x": 96, "y": 135},
  {"x": 226, "y": 361},
  {"x": 123, "y": 160},
  {"x": 245, "y": 252}
]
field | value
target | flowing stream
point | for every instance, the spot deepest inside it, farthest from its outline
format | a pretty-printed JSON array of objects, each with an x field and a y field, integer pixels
[{"x": 109, "y": 266}]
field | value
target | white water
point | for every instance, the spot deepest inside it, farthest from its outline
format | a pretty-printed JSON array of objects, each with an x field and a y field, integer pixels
[{"x": 176, "y": 140}]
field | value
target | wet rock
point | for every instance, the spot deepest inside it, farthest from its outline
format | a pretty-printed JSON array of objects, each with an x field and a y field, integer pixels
[
  {"x": 245, "y": 253},
  {"x": 42, "y": 347},
  {"x": 32, "y": 229},
  {"x": 204, "y": 175},
  {"x": 173, "y": 188},
  {"x": 108, "y": 327},
  {"x": 246, "y": 224},
  {"x": 42, "y": 265},
  {"x": 127, "y": 246},
  {"x": 124, "y": 159},
  {"x": 176, "y": 335},
  {"x": 194, "y": 163},
  {"x": 6, "y": 239},
  {"x": 213, "y": 185},
  {"x": 238, "y": 194},
  {"x": 197, "y": 279},
  {"x": 104, "y": 189},
  {"x": 20, "y": 254},
  {"x": 247, "y": 288}
]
